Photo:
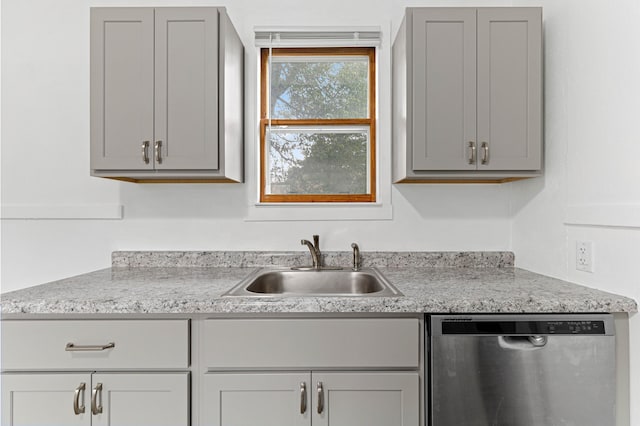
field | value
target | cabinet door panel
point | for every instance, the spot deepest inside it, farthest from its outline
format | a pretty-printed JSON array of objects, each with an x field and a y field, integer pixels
[
  {"x": 444, "y": 88},
  {"x": 44, "y": 399},
  {"x": 509, "y": 88},
  {"x": 187, "y": 88},
  {"x": 256, "y": 399},
  {"x": 367, "y": 399},
  {"x": 121, "y": 87},
  {"x": 160, "y": 399}
]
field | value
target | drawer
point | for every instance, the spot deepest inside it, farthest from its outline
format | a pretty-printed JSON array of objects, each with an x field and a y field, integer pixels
[
  {"x": 138, "y": 344},
  {"x": 311, "y": 343}
]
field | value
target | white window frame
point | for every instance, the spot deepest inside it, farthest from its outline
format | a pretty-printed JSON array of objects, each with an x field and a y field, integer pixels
[{"x": 381, "y": 209}]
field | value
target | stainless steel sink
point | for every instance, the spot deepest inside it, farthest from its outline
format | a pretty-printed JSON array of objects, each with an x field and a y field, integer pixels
[{"x": 324, "y": 282}]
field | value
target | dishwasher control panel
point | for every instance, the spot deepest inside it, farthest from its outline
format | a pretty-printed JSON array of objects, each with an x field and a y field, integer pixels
[
  {"x": 575, "y": 327},
  {"x": 515, "y": 328}
]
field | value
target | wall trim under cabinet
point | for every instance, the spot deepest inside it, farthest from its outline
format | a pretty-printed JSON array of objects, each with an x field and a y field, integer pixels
[
  {"x": 66, "y": 212},
  {"x": 606, "y": 215}
]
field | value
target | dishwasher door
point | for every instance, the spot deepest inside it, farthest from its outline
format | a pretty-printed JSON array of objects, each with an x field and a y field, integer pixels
[{"x": 522, "y": 370}]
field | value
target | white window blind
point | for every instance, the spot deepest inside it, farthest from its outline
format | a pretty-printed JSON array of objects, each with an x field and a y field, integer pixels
[{"x": 317, "y": 36}]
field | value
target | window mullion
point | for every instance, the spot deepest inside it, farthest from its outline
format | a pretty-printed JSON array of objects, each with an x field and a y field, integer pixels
[{"x": 315, "y": 122}]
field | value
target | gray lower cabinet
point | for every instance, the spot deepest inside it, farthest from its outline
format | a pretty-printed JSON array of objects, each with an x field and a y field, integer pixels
[
  {"x": 467, "y": 101},
  {"x": 333, "y": 371},
  {"x": 366, "y": 399},
  {"x": 266, "y": 399},
  {"x": 46, "y": 399},
  {"x": 311, "y": 371},
  {"x": 95, "y": 372},
  {"x": 166, "y": 94},
  {"x": 318, "y": 398},
  {"x": 103, "y": 399}
]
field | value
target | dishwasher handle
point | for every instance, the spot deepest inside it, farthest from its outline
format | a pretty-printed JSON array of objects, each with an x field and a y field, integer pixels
[{"x": 522, "y": 343}]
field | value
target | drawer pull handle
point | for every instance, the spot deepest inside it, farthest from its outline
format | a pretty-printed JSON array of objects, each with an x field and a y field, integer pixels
[
  {"x": 87, "y": 348},
  {"x": 320, "y": 398},
  {"x": 96, "y": 395},
  {"x": 303, "y": 397},
  {"x": 77, "y": 408}
]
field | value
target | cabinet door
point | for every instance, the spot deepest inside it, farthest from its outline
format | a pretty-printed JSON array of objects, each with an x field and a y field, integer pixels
[
  {"x": 186, "y": 90},
  {"x": 444, "y": 88},
  {"x": 121, "y": 88},
  {"x": 279, "y": 399},
  {"x": 158, "y": 399},
  {"x": 510, "y": 88},
  {"x": 366, "y": 399},
  {"x": 45, "y": 399}
]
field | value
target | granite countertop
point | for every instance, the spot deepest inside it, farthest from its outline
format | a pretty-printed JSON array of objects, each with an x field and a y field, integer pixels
[{"x": 143, "y": 283}]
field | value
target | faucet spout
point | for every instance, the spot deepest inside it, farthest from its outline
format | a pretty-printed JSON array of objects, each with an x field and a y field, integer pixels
[
  {"x": 315, "y": 253},
  {"x": 356, "y": 256}
]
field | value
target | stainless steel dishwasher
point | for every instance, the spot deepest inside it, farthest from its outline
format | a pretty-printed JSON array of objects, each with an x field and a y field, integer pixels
[{"x": 522, "y": 370}]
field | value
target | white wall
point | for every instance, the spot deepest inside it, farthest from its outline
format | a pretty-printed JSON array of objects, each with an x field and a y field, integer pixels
[
  {"x": 45, "y": 158},
  {"x": 590, "y": 188}
]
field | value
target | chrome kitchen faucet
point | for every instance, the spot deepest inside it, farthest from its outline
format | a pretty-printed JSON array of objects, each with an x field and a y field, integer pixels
[{"x": 314, "y": 248}]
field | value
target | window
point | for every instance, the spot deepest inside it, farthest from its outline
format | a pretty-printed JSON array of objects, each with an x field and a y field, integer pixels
[{"x": 317, "y": 125}]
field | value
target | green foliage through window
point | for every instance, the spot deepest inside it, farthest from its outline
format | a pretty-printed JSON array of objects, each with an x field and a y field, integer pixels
[
  {"x": 319, "y": 89},
  {"x": 317, "y": 120},
  {"x": 318, "y": 163}
]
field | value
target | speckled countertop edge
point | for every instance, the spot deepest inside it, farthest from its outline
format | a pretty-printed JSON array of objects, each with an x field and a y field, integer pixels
[{"x": 198, "y": 290}]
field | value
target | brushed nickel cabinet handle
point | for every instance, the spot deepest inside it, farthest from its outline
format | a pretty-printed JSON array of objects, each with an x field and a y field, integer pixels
[
  {"x": 96, "y": 395},
  {"x": 472, "y": 152},
  {"x": 320, "y": 398},
  {"x": 71, "y": 347},
  {"x": 485, "y": 153},
  {"x": 77, "y": 408},
  {"x": 303, "y": 397},
  {"x": 158, "y": 150},
  {"x": 145, "y": 152}
]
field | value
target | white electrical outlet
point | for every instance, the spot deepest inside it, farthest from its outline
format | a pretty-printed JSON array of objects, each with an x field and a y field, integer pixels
[{"x": 584, "y": 256}]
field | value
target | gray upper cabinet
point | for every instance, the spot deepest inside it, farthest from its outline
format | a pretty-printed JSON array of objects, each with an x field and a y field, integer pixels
[
  {"x": 467, "y": 98},
  {"x": 166, "y": 95},
  {"x": 122, "y": 66},
  {"x": 186, "y": 92}
]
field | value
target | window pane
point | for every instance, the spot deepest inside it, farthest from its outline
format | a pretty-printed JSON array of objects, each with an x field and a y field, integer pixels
[
  {"x": 319, "y": 87},
  {"x": 317, "y": 161}
]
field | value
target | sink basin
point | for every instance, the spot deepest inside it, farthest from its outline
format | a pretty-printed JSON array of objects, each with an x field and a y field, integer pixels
[{"x": 325, "y": 282}]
